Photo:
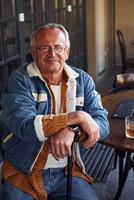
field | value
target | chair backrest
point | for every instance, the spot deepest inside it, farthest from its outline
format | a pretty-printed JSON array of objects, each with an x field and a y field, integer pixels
[
  {"x": 122, "y": 45},
  {"x": 123, "y": 82}
]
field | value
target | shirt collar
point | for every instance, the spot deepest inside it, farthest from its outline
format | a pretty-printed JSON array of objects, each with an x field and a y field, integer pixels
[{"x": 33, "y": 71}]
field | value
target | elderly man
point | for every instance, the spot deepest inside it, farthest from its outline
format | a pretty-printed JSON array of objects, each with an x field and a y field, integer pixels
[{"x": 44, "y": 101}]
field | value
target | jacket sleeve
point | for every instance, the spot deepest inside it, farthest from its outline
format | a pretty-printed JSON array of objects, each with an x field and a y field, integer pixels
[
  {"x": 93, "y": 105},
  {"x": 19, "y": 107},
  {"x": 20, "y": 114}
]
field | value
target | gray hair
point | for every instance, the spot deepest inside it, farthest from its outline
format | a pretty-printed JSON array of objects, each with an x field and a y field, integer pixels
[{"x": 49, "y": 26}]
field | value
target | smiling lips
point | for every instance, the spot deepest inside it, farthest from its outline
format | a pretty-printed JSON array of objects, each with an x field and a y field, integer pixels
[{"x": 50, "y": 60}]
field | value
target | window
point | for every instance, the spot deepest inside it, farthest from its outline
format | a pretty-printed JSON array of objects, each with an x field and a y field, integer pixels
[{"x": 15, "y": 34}]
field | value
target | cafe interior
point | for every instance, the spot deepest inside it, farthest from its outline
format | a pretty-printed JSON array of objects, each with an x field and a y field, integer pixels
[{"x": 102, "y": 44}]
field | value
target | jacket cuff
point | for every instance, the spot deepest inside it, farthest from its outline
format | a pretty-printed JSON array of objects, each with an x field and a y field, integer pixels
[
  {"x": 39, "y": 128},
  {"x": 54, "y": 123}
]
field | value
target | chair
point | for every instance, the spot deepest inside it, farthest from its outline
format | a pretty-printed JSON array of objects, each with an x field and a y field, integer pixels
[
  {"x": 123, "y": 82},
  {"x": 126, "y": 62}
]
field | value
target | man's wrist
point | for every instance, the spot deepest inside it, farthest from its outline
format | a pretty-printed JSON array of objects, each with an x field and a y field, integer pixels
[{"x": 74, "y": 118}]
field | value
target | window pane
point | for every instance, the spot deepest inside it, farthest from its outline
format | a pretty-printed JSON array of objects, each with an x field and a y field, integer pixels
[
  {"x": 1, "y": 81},
  {"x": 13, "y": 65},
  {"x": 1, "y": 49},
  {"x": 62, "y": 18},
  {"x": 53, "y": 4},
  {"x": 38, "y": 19},
  {"x": 10, "y": 39},
  {"x": 7, "y": 8},
  {"x": 0, "y": 88},
  {"x": 72, "y": 19},
  {"x": 38, "y": 6},
  {"x": 54, "y": 17},
  {"x": 27, "y": 33},
  {"x": 80, "y": 2},
  {"x": 71, "y": 2},
  {"x": 27, "y": 8},
  {"x": 80, "y": 14},
  {"x": 62, "y": 3},
  {"x": 74, "y": 47}
]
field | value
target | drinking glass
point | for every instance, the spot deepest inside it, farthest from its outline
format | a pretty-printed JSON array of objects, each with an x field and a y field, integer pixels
[{"x": 129, "y": 126}]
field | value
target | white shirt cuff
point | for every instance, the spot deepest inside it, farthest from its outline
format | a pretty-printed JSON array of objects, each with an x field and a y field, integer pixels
[{"x": 39, "y": 128}]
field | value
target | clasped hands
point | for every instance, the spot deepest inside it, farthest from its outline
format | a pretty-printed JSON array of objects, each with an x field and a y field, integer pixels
[{"x": 61, "y": 142}]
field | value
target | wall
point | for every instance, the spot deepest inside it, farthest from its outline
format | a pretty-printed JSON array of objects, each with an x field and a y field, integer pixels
[
  {"x": 91, "y": 38},
  {"x": 97, "y": 38},
  {"x": 100, "y": 23},
  {"x": 124, "y": 20}
]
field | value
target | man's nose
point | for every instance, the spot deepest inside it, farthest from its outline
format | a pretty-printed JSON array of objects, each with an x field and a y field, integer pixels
[{"x": 52, "y": 52}]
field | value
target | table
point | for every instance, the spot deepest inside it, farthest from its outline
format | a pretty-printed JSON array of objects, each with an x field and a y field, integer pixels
[{"x": 117, "y": 139}]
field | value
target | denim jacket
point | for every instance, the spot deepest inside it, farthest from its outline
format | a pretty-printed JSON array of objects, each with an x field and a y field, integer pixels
[{"x": 28, "y": 97}]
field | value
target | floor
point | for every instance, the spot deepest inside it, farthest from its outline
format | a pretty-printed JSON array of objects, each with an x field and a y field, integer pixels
[{"x": 106, "y": 190}]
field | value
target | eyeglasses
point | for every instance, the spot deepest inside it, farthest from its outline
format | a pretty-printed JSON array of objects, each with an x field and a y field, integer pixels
[{"x": 46, "y": 49}]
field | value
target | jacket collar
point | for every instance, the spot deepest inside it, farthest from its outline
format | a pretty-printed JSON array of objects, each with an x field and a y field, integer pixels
[
  {"x": 33, "y": 71},
  {"x": 70, "y": 72}
]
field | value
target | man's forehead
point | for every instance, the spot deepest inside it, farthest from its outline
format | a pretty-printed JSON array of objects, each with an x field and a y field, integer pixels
[
  {"x": 47, "y": 35},
  {"x": 49, "y": 32}
]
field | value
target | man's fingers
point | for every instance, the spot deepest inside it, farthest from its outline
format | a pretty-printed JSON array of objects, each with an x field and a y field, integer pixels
[
  {"x": 60, "y": 149},
  {"x": 89, "y": 142},
  {"x": 68, "y": 149},
  {"x": 52, "y": 151}
]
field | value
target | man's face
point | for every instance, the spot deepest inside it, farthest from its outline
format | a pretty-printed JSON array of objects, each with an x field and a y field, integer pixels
[{"x": 50, "y": 51}]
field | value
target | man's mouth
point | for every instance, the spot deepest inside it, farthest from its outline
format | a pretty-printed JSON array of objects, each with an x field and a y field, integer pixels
[{"x": 51, "y": 60}]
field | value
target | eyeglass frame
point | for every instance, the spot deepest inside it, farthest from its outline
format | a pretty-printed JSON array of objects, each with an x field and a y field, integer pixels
[{"x": 47, "y": 49}]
